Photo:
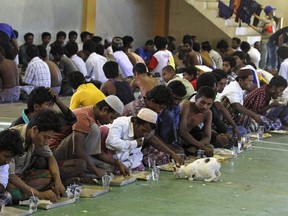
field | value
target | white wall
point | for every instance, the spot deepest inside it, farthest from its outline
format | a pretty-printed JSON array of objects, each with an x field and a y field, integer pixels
[
  {"x": 125, "y": 17},
  {"x": 37, "y": 16}
]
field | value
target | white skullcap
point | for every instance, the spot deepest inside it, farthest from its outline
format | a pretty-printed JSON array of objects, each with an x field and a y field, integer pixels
[
  {"x": 115, "y": 103},
  {"x": 109, "y": 39},
  {"x": 147, "y": 115}
]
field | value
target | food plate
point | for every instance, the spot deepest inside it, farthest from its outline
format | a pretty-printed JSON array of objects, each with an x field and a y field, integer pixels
[
  {"x": 265, "y": 135},
  {"x": 89, "y": 191},
  {"x": 120, "y": 180},
  {"x": 167, "y": 167},
  {"x": 46, "y": 204},
  {"x": 11, "y": 211},
  {"x": 279, "y": 131},
  {"x": 142, "y": 175}
]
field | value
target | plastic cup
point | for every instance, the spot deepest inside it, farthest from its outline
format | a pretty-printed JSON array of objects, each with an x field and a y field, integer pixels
[
  {"x": 260, "y": 133},
  {"x": 155, "y": 173},
  {"x": 106, "y": 179},
  {"x": 2, "y": 208},
  {"x": 33, "y": 203}
]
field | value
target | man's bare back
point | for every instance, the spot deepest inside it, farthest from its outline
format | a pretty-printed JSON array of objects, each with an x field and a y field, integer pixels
[
  {"x": 56, "y": 77},
  {"x": 9, "y": 74},
  {"x": 144, "y": 82}
]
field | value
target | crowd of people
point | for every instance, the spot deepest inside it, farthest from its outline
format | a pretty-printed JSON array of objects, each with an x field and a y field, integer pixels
[{"x": 127, "y": 107}]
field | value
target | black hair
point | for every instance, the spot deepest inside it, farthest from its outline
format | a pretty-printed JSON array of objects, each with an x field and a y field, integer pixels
[
  {"x": 278, "y": 81},
  {"x": 187, "y": 37},
  {"x": 191, "y": 70},
  {"x": 140, "y": 121},
  {"x": 283, "y": 52},
  {"x": 206, "y": 91},
  {"x": 196, "y": 47},
  {"x": 222, "y": 44},
  {"x": 161, "y": 43},
  {"x": 243, "y": 74},
  {"x": 28, "y": 35},
  {"x": 206, "y": 79},
  {"x": 161, "y": 95},
  {"x": 2, "y": 51},
  {"x": 190, "y": 42},
  {"x": 206, "y": 46},
  {"x": 220, "y": 73},
  {"x": 111, "y": 69},
  {"x": 239, "y": 54},
  {"x": 32, "y": 51},
  {"x": 231, "y": 61},
  {"x": 84, "y": 34},
  {"x": 89, "y": 46},
  {"x": 42, "y": 51},
  {"x": 72, "y": 33},
  {"x": 61, "y": 34},
  {"x": 57, "y": 49},
  {"x": 71, "y": 48},
  {"x": 101, "y": 104},
  {"x": 47, "y": 120},
  {"x": 140, "y": 68},
  {"x": 45, "y": 34},
  {"x": 39, "y": 96},
  {"x": 10, "y": 140},
  {"x": 75, "y": 79},
  {"x": 127, "y": 40},
  {"x": 169, "y": 68},
  {"x": 177, "y": 88},
  {"x": 238, "y": 40},
  {"x": 99, "y": 49},
  {"x": 245, "y": 46},
  {"x": 149, "y": 42},
  {"x": 97, "y": 39}
]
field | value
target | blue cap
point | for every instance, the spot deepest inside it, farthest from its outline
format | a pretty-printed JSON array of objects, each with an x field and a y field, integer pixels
[{"x": 268, "y": 9}]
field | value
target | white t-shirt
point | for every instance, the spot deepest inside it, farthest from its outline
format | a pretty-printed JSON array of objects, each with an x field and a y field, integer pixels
[
  {"x": 233, "y": 92},
  {"x": 94, "y": 66},
  {"x": 255, "y": 56},
  {"x": 80, "y": 64}
]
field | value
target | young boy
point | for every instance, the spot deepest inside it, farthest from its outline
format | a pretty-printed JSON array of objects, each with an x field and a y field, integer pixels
[
  {"x": 36, "y": 171},
  {"x": 10, "y": 146}
]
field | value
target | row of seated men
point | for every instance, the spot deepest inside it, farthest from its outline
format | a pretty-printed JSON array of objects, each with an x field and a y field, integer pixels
[
  {"x": 93, "y": 55},
  {"x": 44, "y": 150}
]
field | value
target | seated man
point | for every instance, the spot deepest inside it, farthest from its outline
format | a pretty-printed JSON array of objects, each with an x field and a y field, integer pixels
[
  {"x": 169, "y": 75},
  {"x": 159, "y": 98},
  {"x": 85, "y": 140},
  {"x": 115, "y": 85},
  {"x": 86, "y": 94},
  {"x": 258, "y": 101},
  {"x": 126, "y": 135},
  {"x": 142, "y": 80},
  {"x": 10, "y": 146},
  {"x": 37, "y": 73},
  {"x": 41, "y": 99},
  {"x": 197, "y": 116},
  {"x": 56, "y": 77},
  {"x": 9, "y": 76},
  {"x": 65, "y": 65},
  {"x": 167, "y": 126},
  {"x": 232, "y": 98},
  {"x": 27, "y": 175}
]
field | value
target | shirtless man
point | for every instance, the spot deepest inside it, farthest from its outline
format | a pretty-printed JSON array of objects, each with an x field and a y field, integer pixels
[
  {"x": 56, "y": 77},
  {"x": 142, "y": 80},
  {"x": 197, "y": 115},
  {"x": 10, "y": 79},
  {"x": 192, "y": 58}
]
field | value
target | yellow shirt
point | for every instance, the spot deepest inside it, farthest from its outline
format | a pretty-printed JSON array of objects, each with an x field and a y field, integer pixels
[{"x": 86, "y": 95}]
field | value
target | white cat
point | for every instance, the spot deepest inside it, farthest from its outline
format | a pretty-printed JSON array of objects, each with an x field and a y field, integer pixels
[{"x": 206, "y": 169}]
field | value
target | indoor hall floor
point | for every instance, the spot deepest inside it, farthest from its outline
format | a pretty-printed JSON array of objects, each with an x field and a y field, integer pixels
[{"x": 254, "y": 184}]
